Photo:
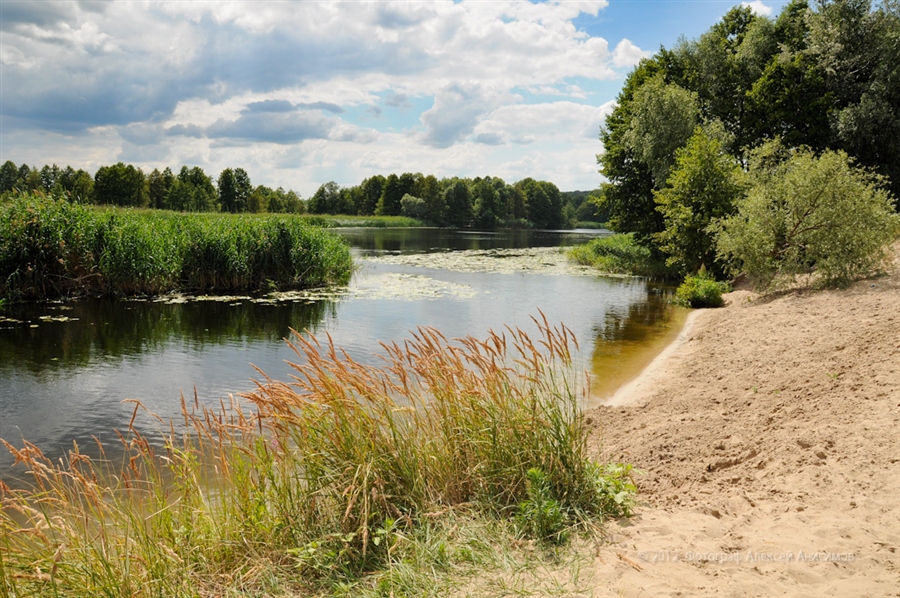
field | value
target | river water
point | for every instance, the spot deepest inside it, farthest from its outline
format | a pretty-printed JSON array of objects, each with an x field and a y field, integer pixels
[{"x": 65, "y": 368}]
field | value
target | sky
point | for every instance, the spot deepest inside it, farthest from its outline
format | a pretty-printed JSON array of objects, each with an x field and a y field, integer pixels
[{"x": 299, "y": 93}]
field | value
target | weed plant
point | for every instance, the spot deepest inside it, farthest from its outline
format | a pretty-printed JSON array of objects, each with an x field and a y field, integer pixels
[
  {"x": 344, "y": 478},
  {"x": 620, "y": 254},
  {"x": 51, "y": 248}
]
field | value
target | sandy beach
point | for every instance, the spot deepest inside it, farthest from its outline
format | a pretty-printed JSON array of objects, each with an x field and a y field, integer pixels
[{"x": 769, "y": 440}]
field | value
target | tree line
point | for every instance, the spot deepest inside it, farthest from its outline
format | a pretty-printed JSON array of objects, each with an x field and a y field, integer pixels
[
  {"x": 701, "y": 127},
  {"x": 191, "y": 190},
  {"x": 483, "y": 202}
]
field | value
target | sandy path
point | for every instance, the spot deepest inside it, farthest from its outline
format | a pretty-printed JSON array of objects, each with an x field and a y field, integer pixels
[{"x": 770, "y": 441}]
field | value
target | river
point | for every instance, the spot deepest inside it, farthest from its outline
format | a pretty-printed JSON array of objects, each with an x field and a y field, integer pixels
[{"x": 66, "y": 367}]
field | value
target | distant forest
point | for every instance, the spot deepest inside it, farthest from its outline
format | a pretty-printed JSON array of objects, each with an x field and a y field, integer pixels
[{"x": 482, "y": 202}]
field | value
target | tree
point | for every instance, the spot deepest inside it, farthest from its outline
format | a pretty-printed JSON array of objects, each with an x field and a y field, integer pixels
[
  {"x": 485, "y": 199},
  {"x": 370, "y": 193},
  {"x": 193, "y": 191},
  {"x": 326, "y": 199},
  {"x": 808, "y": 212},
  {"x": 429, "y": 189},
  {"x": 121, "y": 185},
  {"x": 703, "y": 186},
  {"x": 158, "y": 186},
  {"x": 9, "y": 174},
  {"x": 391, "y": 195},
  {"x": 234, "y": 190},
  {"x": 413, "y": 207},
  {"x": 663, "y": 118},
  {"x": 627, "y": 196},
  {"x": 458, "y": 200}
]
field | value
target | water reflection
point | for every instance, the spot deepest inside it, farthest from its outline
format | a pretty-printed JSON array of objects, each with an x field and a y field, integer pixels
[
  {"x": 66, "y": 368},
  {"x": 79, "y": 334},
  {"x": 373, "y": 241},
  {"x": 628, "y": 339}
]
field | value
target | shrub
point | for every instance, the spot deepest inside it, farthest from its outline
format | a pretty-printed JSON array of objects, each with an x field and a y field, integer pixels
[
  {"x": 808, "y": 213},
  {"x": 700, "y": 290}
]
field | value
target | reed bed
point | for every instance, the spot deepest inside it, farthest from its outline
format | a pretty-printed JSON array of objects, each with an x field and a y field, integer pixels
[
  {"x": 318, "y": 483},
  {"x": 50, "y": 248}
]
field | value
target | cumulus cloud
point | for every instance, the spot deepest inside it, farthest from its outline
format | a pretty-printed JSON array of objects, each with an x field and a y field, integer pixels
[
  {"x": 489, "y": 138},
  {"x": 455, "y": 113},
  {"x": 211, "y": 79},
  {"x": 758, "y": 8},
  {"x": 627, "y": 55}
]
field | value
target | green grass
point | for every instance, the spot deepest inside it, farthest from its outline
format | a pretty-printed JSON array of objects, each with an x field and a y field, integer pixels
[
  {"x": 51, "y": 248},
  {"x": 351, "y": 480},
  {"x": 620, "y": 254}
]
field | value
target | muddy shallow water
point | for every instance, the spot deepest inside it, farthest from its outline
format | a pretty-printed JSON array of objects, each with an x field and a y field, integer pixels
[{"x": 65, "y": 368}]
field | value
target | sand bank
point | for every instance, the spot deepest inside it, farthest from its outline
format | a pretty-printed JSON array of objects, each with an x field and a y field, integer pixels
[{"x": 769, "y": 435}]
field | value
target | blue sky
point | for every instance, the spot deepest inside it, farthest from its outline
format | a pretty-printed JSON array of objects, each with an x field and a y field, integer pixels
[{"x": 301, "y": 93}]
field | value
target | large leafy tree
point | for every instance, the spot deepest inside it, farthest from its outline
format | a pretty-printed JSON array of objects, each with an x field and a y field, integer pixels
[
  {"x": 158, "y": 186},
  {"x": 824, "y": 76},
  {"x": 703, "y": 187},
  {"x": 458, "y": 200},
  {"x": 628, "y": 194}
]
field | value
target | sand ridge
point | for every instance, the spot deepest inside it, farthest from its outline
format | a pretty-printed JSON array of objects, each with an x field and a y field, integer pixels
[{"x": 769, "y": 438}]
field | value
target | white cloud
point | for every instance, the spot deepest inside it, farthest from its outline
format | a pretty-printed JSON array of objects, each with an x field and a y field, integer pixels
[
  {"x": 627, "y": 54},
  {"x": 758, "y": 8},
  {"x": 290, "y": 90}
]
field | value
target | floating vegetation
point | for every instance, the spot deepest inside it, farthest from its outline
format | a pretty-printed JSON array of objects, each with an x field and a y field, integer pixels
[
  {"x": 409, "y": 287},
  {"x": 532, "y": 260}
]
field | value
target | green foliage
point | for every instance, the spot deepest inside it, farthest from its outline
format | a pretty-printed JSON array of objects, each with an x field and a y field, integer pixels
[
  {"x": 808, "y": 213},
  {"x": 413, "y": 207},
  {"x": 234, "y": 190},
  {"x": 824, "y": 75},
  {"x": 619, "y": 254},
  {"x": 52, "y": 247},
  {"x": 616, "y": 490},
  {"x": 540, "y": 515},
  {"x": 702, "y": 187},
  {"x": 663, "y": 119},
  {"x": 701, "y": 290},
  {"x": 120, "y": 185}
]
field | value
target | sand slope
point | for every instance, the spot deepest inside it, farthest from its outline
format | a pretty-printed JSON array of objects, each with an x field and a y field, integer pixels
[{"x": 770, "y": 442}]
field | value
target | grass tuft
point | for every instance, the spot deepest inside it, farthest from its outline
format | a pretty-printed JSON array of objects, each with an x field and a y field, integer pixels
[{"x": 345, "y": 480}]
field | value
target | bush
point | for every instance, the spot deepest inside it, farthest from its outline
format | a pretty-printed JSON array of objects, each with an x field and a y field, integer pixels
[
  {"x": 808, "y": 213},
  {"x": 701, "y": 290}
]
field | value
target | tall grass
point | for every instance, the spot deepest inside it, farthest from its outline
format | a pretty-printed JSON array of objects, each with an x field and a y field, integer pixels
[
  {"x": 51, "y": 247},
  {"x": 317, "y": 486}
]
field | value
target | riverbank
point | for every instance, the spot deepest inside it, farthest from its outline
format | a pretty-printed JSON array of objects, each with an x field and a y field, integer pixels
[{"x": 768, "y": 438}]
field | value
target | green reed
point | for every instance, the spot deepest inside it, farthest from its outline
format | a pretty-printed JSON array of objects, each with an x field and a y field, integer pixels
[
  {"x": 51, "y": 248},
  {"x": 333, "y": 476}
]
